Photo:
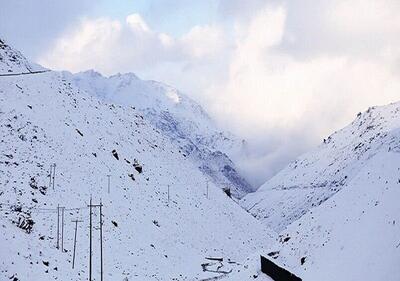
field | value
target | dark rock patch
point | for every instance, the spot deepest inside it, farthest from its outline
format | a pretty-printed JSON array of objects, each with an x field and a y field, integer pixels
[
  {"x": 115, "y": 154},
  {"x": 79, "y": 132}
]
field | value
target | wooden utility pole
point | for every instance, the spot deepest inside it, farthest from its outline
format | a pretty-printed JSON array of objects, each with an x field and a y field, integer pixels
[
  {"x": 51, "y": 175},
  {"x": 101, "y": 241},
  {"x": 168, "y": 196},
  {"x": 54, "y": 173},
  {"x": 62, "y": 229},
  {"x": 207, "y": 190},
  {"x": 90, "y": 238},
  {"x": 58, "y": 226},
  {"x": 109, "y": 181},
  {"x": 76, "y": 231}
]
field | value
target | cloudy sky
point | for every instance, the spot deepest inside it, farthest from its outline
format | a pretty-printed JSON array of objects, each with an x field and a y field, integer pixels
[{"x": 282, "y": 74}]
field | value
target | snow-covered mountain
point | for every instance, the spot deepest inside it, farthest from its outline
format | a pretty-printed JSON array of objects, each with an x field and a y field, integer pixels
[
  {"x": 337, "y": 208},
  {"x": 355, "y": 235},
  {"x": 316, "y": 176},
  {"x": 178, "y": 117},
  {"x": 157, "y": 222}
]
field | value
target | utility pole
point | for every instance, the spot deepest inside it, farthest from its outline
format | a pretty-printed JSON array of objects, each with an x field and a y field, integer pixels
[
  {"x": 207, "y": 190},
  {"x": 76, "y": 231},
  {"x": 58, "y": 226},
  {"x": 51, "y": 175},
  {"x": 168, "y": 196},
  {"x": 90, "y": 238},
  {"x": 101, "y": 241},
  {"x": 54, "y": 173},
  {"x": 109, "y": 180},
  {"x": 62, "y": 229}
]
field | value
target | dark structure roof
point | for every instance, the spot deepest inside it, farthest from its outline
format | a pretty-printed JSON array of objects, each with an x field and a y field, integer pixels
[{"x": 276, "y": 272}]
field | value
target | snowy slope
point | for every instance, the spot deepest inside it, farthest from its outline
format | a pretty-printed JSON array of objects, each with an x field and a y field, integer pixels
[
  {"x": 178, "y": 117},
  {"x": 45, "y": 119},
  {"x": 355, "y": 235},
  {"x": 337, "y": 207},
  {"x": 316, "y": 176},
  {"x": 12, "y": 61}
]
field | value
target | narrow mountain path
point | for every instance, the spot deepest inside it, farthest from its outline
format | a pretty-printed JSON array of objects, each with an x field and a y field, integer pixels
[{"x": 24, "y": 73}]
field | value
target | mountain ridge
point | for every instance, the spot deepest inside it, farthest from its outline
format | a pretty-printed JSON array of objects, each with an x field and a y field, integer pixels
[
  {"x": 319, "y": 174},
  {"x": 179, "y": 117}
]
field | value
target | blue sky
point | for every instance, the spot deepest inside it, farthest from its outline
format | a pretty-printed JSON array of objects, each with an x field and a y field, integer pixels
[{"x": 173, "y": 17}]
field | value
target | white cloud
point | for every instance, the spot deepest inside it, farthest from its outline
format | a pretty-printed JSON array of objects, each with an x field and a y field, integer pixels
[
  {"x": 291, "y": 102},
  {"x": 364, "y": 17},
  {"x": 136, "y": 22},
  {"x": 203, "y": 41},
  {"x": 111, "y": 46},
  {"x": 281, "y": 75}
]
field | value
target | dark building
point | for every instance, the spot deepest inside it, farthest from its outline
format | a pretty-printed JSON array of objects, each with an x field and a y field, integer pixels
[{"x": 276, "y": 272}]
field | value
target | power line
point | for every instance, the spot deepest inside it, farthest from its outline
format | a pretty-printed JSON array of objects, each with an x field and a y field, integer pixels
[{"x": 37, "y": 209}]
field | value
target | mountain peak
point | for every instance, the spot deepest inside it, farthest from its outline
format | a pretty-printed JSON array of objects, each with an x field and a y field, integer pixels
[
  {"x": 91, "y": 73},
  {"x": 126, "y": 76}
]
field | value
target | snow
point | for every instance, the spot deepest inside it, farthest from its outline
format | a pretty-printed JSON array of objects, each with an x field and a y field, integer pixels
[
  {"x": 336, "y": 208},
  {"x": 178, "y": 117},
  {"x": 249, "y": 269},
  {"x": 12, "y": 61},
  {"x": 355, "y": 234},
  {"x": 316, "y": 176},
  {"x": 45, "y": 119}
]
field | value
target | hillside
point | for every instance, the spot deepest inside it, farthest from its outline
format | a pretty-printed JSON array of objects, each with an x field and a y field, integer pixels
[
  {"x": 147, "y": 235},
  {"x": 355, "y": 234},
  {"x": 12, "y": 61},
  {"x": 316, "y": 176},
  {"x": 178, "y": 117},
  {"x": 336, "y": 208}
]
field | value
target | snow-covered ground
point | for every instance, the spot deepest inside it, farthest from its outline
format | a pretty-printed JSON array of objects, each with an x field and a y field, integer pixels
[
  {"x": 337, "y": 208},
  {"x": 177, "y": 116},
  {"x": 316, "y": 176},
  {"x": 45, "y": 119},
  {"x": 355, "y": 235}
]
